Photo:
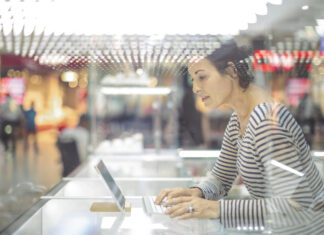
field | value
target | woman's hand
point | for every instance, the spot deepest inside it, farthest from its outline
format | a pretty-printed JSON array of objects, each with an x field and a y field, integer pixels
[
  {"x": 202, "y": 208},
  {"x": 177, "y": 192}
]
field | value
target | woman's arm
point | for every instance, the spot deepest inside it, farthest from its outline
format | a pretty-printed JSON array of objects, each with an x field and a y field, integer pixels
[{"x": 220, "y": 179}]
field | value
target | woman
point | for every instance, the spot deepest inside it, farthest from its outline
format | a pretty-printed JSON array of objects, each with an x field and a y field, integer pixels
[{"x": 262, "y": 143}]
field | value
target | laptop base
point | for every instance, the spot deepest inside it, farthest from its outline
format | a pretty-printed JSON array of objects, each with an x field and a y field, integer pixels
[{"x": 108, "y": 207}]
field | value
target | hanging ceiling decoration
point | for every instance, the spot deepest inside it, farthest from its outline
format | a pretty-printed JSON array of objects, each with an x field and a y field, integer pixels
[
  {"x": 112, "y": 53},
  {"x": 121, "y": 36}
]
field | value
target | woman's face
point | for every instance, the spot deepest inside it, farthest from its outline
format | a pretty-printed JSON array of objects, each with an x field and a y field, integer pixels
[{"x": 210, "y": 85}]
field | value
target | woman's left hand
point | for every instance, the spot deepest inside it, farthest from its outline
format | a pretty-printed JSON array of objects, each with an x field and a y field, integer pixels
[{"x": 202, "y": 208}]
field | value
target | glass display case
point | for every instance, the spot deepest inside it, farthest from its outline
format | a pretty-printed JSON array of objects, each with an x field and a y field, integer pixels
[
  {"x": 68, "y": 204},
  {"x": 131, "y": 111}
]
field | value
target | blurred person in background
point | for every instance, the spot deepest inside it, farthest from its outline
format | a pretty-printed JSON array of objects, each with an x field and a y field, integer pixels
[
  {"x": 80, "y": 134},
  {"x": 30, "y": 127},
  {"x": 308, "y": 114},
  {"x": 261, "y": 134},
  {"x": 11, "y": 117}
]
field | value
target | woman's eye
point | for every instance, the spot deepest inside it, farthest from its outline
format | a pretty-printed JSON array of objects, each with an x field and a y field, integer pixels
[{"x": 202, "y": 77}]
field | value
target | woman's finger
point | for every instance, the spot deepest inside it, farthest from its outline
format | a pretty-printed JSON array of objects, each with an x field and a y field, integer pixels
[
  {"x": 172, "y": 209},
  {"x": 177, "y": 211},
  {"x": 177, "y": 200},
  {"x": 171, "y": 195},
  {"x": 159, "y": 198},
  {"x": 176, "y": 193}
]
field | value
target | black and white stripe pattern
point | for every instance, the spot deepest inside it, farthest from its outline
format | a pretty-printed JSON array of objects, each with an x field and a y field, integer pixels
[{"x": 275, "y": 164}]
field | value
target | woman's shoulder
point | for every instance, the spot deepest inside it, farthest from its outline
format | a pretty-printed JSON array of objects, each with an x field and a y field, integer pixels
[{"x": 269, "y": 111}]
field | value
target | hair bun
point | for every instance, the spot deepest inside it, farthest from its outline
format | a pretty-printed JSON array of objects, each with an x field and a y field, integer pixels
[{"x": 240, "y": 56}]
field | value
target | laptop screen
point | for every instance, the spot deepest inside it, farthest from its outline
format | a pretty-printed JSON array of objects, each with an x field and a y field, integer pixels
[{"x": 109, "y": 180}]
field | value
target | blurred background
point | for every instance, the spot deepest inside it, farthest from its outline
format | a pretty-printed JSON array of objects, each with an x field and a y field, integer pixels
[{"x": 88, "y": 77}]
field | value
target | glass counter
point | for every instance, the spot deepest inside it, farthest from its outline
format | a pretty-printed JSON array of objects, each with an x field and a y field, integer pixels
[
  {"x": 66, "y": 208},
  {"x": 73, "y": 216},
  {"x": 64, "y": 216}
]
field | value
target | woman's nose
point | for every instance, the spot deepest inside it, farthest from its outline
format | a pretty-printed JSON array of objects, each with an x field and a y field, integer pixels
[{"x": 195, "y": 88}]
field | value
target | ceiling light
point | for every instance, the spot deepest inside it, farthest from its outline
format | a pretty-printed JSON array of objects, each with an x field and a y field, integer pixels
[
  {"x": 305, "y": 7},
  {"x": 69, "y": 76}
]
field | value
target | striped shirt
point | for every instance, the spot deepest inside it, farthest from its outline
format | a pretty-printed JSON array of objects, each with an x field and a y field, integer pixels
[{"x": 275, "y": 164}]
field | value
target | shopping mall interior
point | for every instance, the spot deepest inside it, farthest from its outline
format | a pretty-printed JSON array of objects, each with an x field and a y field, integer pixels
[{"x": 88, "y": 80}]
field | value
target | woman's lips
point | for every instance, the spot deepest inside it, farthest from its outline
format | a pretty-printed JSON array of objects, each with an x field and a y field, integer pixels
[{"x": 204, "y": 98}]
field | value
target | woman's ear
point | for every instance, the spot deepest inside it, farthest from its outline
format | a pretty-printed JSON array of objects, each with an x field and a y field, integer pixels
[{"x": 231, "y": 70}]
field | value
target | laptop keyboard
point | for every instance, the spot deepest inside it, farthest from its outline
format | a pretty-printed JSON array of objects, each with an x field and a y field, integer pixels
[{"x": 152, "y": 208}]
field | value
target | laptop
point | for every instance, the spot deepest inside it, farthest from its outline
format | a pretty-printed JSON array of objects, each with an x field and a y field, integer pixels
[{"x": 118, "y": 196}]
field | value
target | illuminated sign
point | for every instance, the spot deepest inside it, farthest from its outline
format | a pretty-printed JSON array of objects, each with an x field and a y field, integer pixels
[
  {"x": 15, "y": 87},
  {"x": 272, "y": 61}
]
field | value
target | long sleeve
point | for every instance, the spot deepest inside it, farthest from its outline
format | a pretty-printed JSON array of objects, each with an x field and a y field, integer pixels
[
  {"x": 242, "y": 213},
  {"x": 220, "y": 179}
]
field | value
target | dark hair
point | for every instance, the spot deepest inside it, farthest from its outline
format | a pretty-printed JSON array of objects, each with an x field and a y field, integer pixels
[{"x": 239, "y": 56}]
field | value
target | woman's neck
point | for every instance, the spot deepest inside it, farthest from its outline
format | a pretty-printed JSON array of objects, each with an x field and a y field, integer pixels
[{"x": 244, "y": 101}]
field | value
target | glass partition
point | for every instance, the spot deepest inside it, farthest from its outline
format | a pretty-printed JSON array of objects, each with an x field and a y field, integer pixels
[{"x": 225, "y": 96}]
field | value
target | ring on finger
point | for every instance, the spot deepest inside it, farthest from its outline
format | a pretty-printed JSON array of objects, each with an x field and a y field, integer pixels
[{"x": 190, "y": 209}]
